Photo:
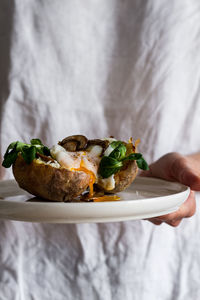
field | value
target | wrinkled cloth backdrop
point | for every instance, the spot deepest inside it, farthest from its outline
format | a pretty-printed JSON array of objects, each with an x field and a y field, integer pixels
[{"x": 100, "y": 68}]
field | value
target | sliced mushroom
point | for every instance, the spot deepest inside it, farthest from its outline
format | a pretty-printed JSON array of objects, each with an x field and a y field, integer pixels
[
  {"x": 74, "y": 143},
  {"x": 103, "y": 143},
  {"x": 45, "y": 158}
]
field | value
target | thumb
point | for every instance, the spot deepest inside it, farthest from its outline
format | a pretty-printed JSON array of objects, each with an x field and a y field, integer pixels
[
  {"x": 187, "y": 171},
  {"x": 176, "y": 167}
]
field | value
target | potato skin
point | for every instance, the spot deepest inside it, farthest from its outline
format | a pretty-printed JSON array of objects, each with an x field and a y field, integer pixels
[
  {"x": 56, "y": 184},
  {"x": 125, "y": 176}
]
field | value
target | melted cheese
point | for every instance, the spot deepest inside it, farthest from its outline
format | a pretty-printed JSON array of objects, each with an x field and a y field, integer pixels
[{"x": 54, "y": 164}]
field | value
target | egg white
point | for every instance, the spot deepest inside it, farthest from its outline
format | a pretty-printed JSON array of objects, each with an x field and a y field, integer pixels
[{"x": 89, "y": 159}]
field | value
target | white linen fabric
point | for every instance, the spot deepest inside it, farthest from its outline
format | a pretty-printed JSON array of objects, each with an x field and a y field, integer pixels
[{"x": 100, "y": 68}]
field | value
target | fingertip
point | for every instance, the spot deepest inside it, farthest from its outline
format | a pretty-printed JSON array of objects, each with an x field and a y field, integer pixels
[
  {"x": 155, "y": 222},
  {"x": 174, "y": 223}
]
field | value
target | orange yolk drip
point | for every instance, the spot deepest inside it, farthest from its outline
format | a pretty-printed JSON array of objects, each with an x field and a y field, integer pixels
[
  {"x": 106, "y": 198},
  {"x": 92, "y": 177}
]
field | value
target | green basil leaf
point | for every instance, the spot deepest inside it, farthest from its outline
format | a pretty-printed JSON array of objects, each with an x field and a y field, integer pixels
[
  {"x": 142, "y": 164},
  {"x": 115, "y": 144},
  {"x": 40, "y": 147},
  {"x": 19, "y": 146},
  {"x": 46, "y": 151},
  {"x": 11, "y": 153},
  {"x": 36, "y": 142},
  {"x": 39, "y": 150},
  {"x": 119, "y": 152},
  {"x": 109, "y": 166},
  {"x": 10, "y": 147},
  {"x": 133, "y": 156},
  {"x": 9, "y": 159},
  {"x": 29, "y": 153}
]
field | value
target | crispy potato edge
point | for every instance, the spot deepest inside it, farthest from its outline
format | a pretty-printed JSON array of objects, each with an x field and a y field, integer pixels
[{"x": 48, "y": 182}]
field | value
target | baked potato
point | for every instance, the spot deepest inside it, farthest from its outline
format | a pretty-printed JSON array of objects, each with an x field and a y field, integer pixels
[
  {"x": 74, "y": 165},
  {"x": 49, "y": 182}
]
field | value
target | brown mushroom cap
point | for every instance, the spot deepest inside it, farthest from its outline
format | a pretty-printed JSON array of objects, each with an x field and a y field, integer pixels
[
  {"x": 80, "y": 142},
  {"x": 74, "y": 143},
  {"x": 45, "y": 157},
  {"x": 103, "y": 143}
]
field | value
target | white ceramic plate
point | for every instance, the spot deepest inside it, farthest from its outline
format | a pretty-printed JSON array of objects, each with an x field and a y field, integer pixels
[{"x": 145, "y": 198}]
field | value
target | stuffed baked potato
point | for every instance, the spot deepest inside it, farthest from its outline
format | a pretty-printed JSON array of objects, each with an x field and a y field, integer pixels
[{"x": 68, "y": 169}]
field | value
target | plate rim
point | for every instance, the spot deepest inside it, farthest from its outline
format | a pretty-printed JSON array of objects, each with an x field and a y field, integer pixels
[
  {"x": 48, "y": 202},
  {"x": 91, "y": 207}
]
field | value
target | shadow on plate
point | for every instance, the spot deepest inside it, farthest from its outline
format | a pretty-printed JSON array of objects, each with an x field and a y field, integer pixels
[{"x": 38, "y": 199}]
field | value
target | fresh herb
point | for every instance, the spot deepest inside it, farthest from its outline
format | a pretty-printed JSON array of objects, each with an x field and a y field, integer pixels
[
  {"x": 28, "y": 152},
  {"x": 133, "y": 156},
  {"x": 36, "y": 142},
  {"x": 119, "y": 151},
  {"x": 115, "y": 144},
  {"x": 142, "y": 164},
  {"x": 113, "y": 163},
  {"x": 109, "y": 166}
]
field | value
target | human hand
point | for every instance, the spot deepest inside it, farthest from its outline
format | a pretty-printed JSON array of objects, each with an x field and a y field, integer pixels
[{"x": 183, "y": 169}]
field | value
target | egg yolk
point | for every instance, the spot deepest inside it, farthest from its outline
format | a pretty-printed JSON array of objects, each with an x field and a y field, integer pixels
[
  {"x": 92, "y": 176},
  {"x": 106, "y": 198}
]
